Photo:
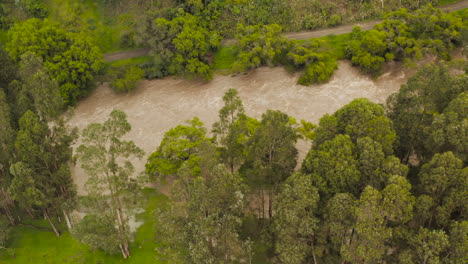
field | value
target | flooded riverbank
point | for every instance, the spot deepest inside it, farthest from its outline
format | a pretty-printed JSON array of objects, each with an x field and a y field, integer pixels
[{"x": 158, "y": 105}]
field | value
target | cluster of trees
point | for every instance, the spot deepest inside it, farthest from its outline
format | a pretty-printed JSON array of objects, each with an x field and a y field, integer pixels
[
  {"x": 368, "y": 191},
  {"x": 36, "y": 155},
  {"x": 224, "y": 15},
  {"x": 180, "y": 43},
  {"x": 125, "y": 78},
  {"x": 265, "y": 46},
  {"x": 71, "y": 59},
  {"x": 35, "y": 144},
  {"x": 404, "y": 36}
]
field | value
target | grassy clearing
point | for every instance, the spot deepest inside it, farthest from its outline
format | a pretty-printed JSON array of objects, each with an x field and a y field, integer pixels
[
  {"x": 132, "y": 61},
  {"x": 32, "y": 245},
  {"x": 104, "y": 29},
  {"x": 224, "y": 58},
  {"x": 336, "y": 44},
  {"x": 446, "y": 2}
]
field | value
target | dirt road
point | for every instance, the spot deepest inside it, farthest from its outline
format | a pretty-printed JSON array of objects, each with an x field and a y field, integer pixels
[
  {"x": 293, "y": 35},
  {"x": 158, "y": 105}
]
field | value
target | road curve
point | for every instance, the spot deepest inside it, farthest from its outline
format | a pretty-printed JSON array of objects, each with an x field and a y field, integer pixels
[{"x": 128, "y": 54}]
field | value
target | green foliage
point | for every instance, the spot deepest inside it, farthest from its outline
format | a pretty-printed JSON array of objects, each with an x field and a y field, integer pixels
[
  {"x": 125, "y": 78},
  {"x": 444, "y": 180},
  {"x": 70, "y": 58},
  {"x": 404, "y": 36},
  {"x": 5, "y": 230},
  {"x": 318, "y": 65},
  {"x": 105, "y": 157},
  {"x": 414, "y": 108},
  {"x": 449, "y": 130},
  {"x": 201, "y": 225},
  {"x": 295, "y": 220},
  {"x": 180, "y": 45},
  {"x": 43, "y": 91},
  {"x": 258, "y": 46},
  {"x": 98, "y": 232},
  {"x": 34, "y": 8},
  {"x": 225, "y": 57},
  {"x": 335, "y": 163},
  {"x": 178, "y": 147}
]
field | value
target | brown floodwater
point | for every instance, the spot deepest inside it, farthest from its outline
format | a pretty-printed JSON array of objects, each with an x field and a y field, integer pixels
[{"x": 158, "y": 105}]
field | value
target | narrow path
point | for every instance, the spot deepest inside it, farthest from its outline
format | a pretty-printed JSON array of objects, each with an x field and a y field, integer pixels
[{"x": 121, "y": 55}]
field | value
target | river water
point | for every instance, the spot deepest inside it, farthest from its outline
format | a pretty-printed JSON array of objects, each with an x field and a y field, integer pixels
[{"x": 158, "y": 105}]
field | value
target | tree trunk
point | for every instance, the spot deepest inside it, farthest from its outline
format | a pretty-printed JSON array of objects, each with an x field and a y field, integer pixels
[
  {"x": 8, "y": 214},
  {"x": 46, "y": 215},
  {"x": 313, "y": 254},
  {"x": 124, "y": 244},
  {"x": 29, "y": 212},
  {"x": 67, "y": 219},
  {"x": 270, "y": 205}
]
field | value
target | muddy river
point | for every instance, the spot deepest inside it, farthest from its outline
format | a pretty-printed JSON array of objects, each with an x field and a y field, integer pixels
[{"x": 158, "y": 105}]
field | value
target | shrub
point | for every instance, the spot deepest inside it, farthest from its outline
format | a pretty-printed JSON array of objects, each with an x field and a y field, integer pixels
[
  {"x": 126, "y": 78},
  {"x": 317, "y": 65}
]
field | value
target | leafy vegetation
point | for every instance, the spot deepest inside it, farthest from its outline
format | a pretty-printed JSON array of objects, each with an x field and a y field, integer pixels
[
  {"x": 125, "y": 78},
  {"x": 404, "y": 36},
  {"x": 70, "y": 58},
  {"x": 379, "y": 184},
  {"x": 353, "y": 199}
]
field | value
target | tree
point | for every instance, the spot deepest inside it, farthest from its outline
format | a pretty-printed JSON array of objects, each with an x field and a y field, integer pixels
[
  {"x": 458, "y": 238},
  {"x": 295, "y": 219},
  {"x": 43, "y": 154},
  {"x": 271, "y": 155},
  {"x": 232, "y": 129},
  {"x": 105, "y": 157},
  {"x": 335, "y": 163},
  {"x": 375, "y": 167},
  {"x": 362, "y": 118},
  {"x": 180, "y": 45},
  {"x": 337, "y": 226},
  {"x": 204, "y": 218},
  {"x": 444, "y": 180},
  {"x": 43, "y": 91},
  {"x": 7, "y": 135},
  {"x": 429, "y": 244},
  {"x": 449, "y": 130},
  {"x": 404, "y": 36},
  {"x": 258, "y": 45},
  {"x": 412, "y": 109},
  {"x": 99, "y": 232},
  {"x": 318, "y": 65},
  {"x": 126, "y": 78},
  {"x": 398, "y": 202},
  {"x": 70, "y": 58},
  {"x": 35, "y": 8},
  {"x": 178, "y": 147},
  {"x": 368, "y": 245}
]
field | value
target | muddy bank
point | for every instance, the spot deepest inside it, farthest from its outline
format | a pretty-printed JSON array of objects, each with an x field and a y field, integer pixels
[{"x": 159, "y": 105}]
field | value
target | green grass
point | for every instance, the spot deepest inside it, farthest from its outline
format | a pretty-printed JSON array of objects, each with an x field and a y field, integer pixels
[
  {"x": 446, "y": 2},
  {"x": 132, "y": 61},
  {"x": 224, "y": 58},
  {"x": 336, "y": 44},
  {"x": 104, "y": 29},
  {"x": 32, "y": 245}
]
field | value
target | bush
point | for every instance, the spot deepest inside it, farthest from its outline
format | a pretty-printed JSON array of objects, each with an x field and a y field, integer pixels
[
  {"x": 335, "y": 20},
  {"x": 317, "y": 65},
  {"x": 405, "y": 36},
  {"x": 4, "y": 231},
  {"x": 126, "y": 78},
  {"x": 35, "y": 8},
  {"x": 98, "y": 232},
  {"x": 259, "y": 46}
]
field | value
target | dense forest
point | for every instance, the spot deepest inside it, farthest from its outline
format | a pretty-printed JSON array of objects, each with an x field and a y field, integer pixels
[{"x": 381, "y": 183}]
